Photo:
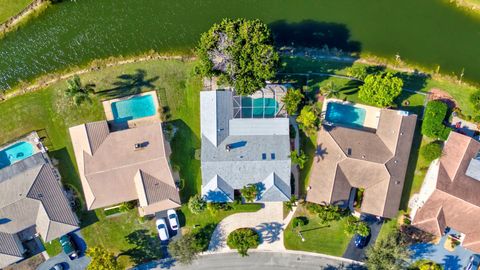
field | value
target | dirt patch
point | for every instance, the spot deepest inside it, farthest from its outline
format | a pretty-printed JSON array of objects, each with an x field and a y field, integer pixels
[{"x": 438, "y": 94}]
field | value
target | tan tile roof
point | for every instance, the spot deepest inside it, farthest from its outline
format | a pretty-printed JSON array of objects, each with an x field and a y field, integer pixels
[
  {"x": 376, "y": 161},
  {"x": 456, "y": 195},
  {"x": 108, "y": 169}
]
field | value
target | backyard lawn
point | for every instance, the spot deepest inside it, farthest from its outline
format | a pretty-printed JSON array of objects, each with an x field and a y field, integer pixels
[
  {"x": 10, "y": 8},
  {"x": 328, "y": 239}
]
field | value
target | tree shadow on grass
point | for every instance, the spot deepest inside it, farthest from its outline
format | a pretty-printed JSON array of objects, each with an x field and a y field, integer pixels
[
  {"x": 146, "y": 246},
  {"x": 129, "y": 84},
  {"x": 313, "y": 34},
  {"x": 183, "y": 146}
]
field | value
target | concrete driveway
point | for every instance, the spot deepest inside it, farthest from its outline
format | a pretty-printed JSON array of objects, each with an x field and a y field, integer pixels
[
  {"x": 357, "y": 254},
  {"x": 257, "y": 260},
  {"x": 268, "y": 222},
  {"x": 78, "y": 264}
]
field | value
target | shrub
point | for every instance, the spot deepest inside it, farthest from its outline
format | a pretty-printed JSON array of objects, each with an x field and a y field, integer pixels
[
  {"x": 291, "y": 100},
  {"x": 298, "y": 159},
  {"x": 184, "y": 249},
  {"x": 197, "y": 204},
  {"x": 243, "y": 239},
  {"x": 475, "y": 99},
  {"x": 431, "y": 151},
  {"x": 299, "y": 221},
  {"x": 355, "y": 225},
  {"x": 249, "y": 192},
  {"x": 432, "y": 126},
  {"x": 358, "y": 72},
  {"x": 425, "y": 265},
  {"x": 380, "y": 89}
]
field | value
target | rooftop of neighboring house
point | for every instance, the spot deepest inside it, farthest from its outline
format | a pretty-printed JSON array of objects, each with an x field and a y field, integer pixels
[
  {"x": 455, "y": 201},
  {"x": 375, "y": 160},
  {"x": 237, "y": 151},
  {"x": 125, "y": 165},
  {"x": 31, "y": 195}
]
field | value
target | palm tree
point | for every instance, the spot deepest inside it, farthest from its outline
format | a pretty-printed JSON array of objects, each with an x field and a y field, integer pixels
[
  {"x": 330, "y": 90},
  {"x": 77, "y": 91}
]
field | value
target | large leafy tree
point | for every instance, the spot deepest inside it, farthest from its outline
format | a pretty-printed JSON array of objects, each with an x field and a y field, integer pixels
[
  {"x": 243, "y": 239},
  {"x": 77, "y": 91},
  {"x": 388, "y": 253},
  {"x": 432, "y": 125},
  {"x": 381, "y": 89},
  {"x": 184, "y": 249},
  {"x": 240, "y": 52},
  {"x": 101, "y": 259},
  {"x": 292, "y": 99}
]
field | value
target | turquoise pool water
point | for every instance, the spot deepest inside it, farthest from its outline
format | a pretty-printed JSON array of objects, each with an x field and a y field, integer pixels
[
  {"x": 133, "y": 108},
  {"x": 14, "y": 153},
  {"x": 345, "y": 114},
  {"x": 259, "y": 107}
]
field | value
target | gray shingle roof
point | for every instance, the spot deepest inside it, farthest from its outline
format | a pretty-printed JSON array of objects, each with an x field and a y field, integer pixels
[
  {"x": 259, "y": 148},
  {"x": 31, "y": 195},
  {"x": 217, "y": 190},
  {"x": 10, "y": 245}
]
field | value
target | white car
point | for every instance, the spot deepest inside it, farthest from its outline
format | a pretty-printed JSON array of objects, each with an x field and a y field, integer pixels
[
  {"x": 162, "y": 229},
  {"x": 173, "y": 219}
]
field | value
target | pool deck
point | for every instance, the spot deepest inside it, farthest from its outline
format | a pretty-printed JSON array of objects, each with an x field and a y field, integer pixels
[
  {"x": 107, "y": 108},
  {"x": 372, "y": 114}
]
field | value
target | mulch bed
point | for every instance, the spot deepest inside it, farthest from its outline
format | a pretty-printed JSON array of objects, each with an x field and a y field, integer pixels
[{"x": 438, "y": 94}]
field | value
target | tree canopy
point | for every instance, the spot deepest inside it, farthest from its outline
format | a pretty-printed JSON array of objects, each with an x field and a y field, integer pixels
[
  {"x": 380, "y": 89},
  {"x": 243, "y": 239},
  {"x": 77, "y": 91},
  {"x": 431, "y": 151},
  {"x": 184, "y": 249},
  {"x": 355, "y": 225},
  {"x": 308, "y": 120},
  {"x": 101, "y": 259},
  {"x": 388, "y": 253},
  {"x": 240, "y": 52},
  {"x": 197, "y": 204},
  {"x": 299, "y": 159},
  {"x": 432, "y": 125},
  {"x": 249, "y": 192},
  {"x": 292, "y": 99}
]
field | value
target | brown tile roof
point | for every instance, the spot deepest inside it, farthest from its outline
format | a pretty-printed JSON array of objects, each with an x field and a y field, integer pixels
[
  {"x": 456, "y": 195},
  {"x": 109, "y": 164},
  {"x": 376, "y": 161}
]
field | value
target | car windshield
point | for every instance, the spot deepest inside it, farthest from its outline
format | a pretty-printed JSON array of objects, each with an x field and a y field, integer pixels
[
  {"x": 172, "y": 216},
  {"x": 161, "y": 226}
]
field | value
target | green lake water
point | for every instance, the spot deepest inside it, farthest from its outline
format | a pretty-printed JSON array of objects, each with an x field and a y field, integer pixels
[{"x": 425, "y": 32}]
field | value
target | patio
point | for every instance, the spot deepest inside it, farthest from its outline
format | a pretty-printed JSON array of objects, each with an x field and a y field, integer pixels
[{"x": 450, "y": 260}]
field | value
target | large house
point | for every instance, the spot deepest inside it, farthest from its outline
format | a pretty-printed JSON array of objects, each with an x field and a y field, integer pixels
[
  {"x": 450, "y": 195},
  {"x": 243, "y": 144},
  {"x": 125, "y": 165},
  {"x": 373, "y": 159},
  {"x": 32, "y": 202}
]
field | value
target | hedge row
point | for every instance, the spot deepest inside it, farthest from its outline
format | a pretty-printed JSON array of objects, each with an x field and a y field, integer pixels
[{"x": 432, "y": 125}]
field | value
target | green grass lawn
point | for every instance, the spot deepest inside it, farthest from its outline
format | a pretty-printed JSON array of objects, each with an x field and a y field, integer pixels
[
  {"x": 10, "y": 8},
  {"x": 331, "y": 239}
]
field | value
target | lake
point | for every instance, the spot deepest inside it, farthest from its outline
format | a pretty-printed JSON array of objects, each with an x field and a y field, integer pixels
[{"x": 426, "y": 32}]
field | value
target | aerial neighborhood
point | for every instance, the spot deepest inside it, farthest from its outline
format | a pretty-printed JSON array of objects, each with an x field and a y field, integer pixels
[{"x": 255, "y": 144}]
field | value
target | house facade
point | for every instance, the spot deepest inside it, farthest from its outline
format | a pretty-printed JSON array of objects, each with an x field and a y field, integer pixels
[
  {"x": 450, "y": 195},
  {"x": 244, "y": 143},
  {"x": 125, "y": 165}
]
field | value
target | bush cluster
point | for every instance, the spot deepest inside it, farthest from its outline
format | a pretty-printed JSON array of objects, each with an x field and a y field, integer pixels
[
  {"x": 431, "y": 151},
  {"x": 432, "y": 126},
  {"x": 243, "y": 239}
]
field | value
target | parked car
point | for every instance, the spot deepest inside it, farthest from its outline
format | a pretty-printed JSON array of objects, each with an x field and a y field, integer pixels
[
  {"x": 58, "y": 266},
  {"x": 173, "y": 219},
  {"x": 162, "y": 229},
  {"x": 69, "y": 247},
  {"x": 361, "y": 241},
  {"x": 473, "y": 262}
]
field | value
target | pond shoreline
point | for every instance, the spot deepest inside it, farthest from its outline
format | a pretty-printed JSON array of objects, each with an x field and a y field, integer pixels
[{"x": 13, "y": 22}]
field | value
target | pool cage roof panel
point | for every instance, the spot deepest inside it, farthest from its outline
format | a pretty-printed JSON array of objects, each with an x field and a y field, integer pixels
[{"x": 264, "y": 103}]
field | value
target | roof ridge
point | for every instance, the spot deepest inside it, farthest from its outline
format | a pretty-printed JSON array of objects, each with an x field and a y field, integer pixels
[
  {"x": 455, "y": 197},
  {"x": 125, "y": 166}
]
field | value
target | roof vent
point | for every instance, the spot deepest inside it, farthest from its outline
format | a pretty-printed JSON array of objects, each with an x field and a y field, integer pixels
[
  {"x": 40, "y": 195},
  {"x": 349, "y": 151},
  {"x": 272, "y": 155},
  {"x": 363, "y": 156},
  {"x": 264, "y": 156},
  {"x": 396, "y": 161},
  {"x": 397, "y": 182},
  {"x": 142, "y": 145}
]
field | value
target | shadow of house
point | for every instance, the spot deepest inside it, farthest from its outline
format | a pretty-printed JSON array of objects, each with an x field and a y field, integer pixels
[
  {"x": 146, "y": 246},
  {"x": 130, "y": 84},
  {"x": 313, "y": 34},
  {"x": 216, "y": 196}
]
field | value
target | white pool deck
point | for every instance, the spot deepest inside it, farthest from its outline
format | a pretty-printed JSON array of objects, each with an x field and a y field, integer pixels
[
  {"x": 372, "y": 114},
  {"x": 107, "y": 108}
]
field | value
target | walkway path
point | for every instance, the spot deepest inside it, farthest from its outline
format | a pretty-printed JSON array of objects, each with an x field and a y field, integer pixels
[{"x": 268, "y": 221}]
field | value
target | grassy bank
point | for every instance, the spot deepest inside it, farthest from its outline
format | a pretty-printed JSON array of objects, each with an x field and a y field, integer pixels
[{"x": 10, "y": 8}]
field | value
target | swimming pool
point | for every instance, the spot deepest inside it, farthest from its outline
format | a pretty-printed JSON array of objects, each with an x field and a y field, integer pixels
[
  {"x": 14, "y": 153},
  {"x": 259, "y": 107},
  {"x": 345, "y": 114},
  {"x": 133, "y": 108}
]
